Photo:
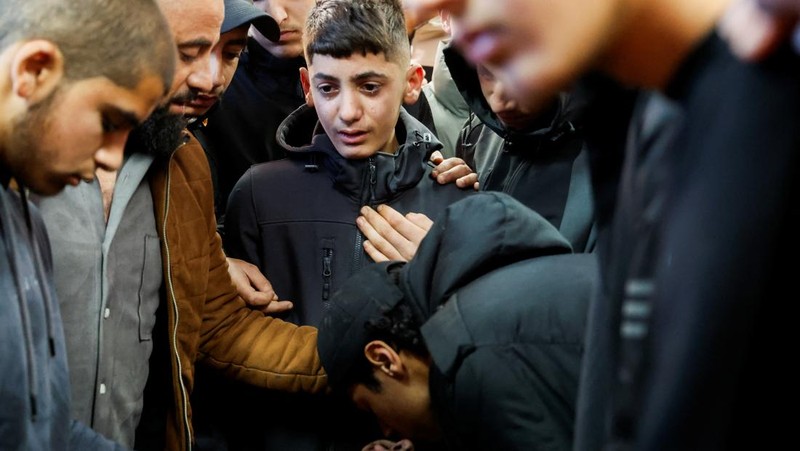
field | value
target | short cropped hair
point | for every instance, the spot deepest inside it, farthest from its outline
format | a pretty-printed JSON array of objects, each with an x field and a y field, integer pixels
[
  {"x": 341, "y": 28},
  {"x": 122, "y": 40}
]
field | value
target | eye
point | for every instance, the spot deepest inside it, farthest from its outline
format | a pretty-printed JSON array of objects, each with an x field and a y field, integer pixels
[
  {"x": 230, "y": 56},
  {"x": 326, "y": 89},
  {"x": 189, "y": 53},
  {"x": 108, "y": 125},
  {"x": 371, "y": 88}
]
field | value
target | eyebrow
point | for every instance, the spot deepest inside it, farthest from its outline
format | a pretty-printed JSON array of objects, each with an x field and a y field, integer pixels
[
  {"x": 199, "y": 42},
  {"x": 121, "y": 116},
  {"x": 242, "y": 42},
  {"x": 356, "y": 78}
]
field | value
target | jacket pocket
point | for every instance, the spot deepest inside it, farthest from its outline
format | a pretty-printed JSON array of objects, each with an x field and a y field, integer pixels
[{"x": 327, "y": 267}]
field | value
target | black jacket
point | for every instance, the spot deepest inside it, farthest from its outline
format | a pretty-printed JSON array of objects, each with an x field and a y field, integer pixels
[
  {"x": 295, "y": 218},
  {"x": 546, "y": 167},
  {"x": 506, "y": 345}
]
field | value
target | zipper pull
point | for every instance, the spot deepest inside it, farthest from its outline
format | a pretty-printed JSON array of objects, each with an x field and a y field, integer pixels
[{"x": 326, "y": 273}]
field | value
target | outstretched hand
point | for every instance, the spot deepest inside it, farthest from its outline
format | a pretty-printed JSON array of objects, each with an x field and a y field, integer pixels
[
  {"x": 390, "y": 235},
  {"x": 453, "y": 170},
  {"x": 254, "y": 288},
  {"x": 388, "y": 445}
]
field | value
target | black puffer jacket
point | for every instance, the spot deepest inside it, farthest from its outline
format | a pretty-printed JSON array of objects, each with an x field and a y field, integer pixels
[
  {"x": 546, "y": 167},
  {"x": 295, "y": 218},
  {"x": 506, "y": 344}
]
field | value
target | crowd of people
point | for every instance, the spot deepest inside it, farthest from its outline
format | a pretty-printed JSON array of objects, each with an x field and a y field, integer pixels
[{"x": 264, "y": 225}]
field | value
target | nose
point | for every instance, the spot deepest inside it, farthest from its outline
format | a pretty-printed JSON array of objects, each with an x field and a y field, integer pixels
[
  {"x": 501, "y": 99},
  {"x": 109, "y": 157},
  {"x": 277, "y": 11},
  {"x": 205, "y": 72},
  {"x": 350, "y": 109},
  {"x": 217, "y": 76}
]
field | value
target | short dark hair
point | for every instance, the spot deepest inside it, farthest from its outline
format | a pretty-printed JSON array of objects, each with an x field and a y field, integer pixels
[
  {"x": 396, "y": 326},
  {"x": 340, "y": 28},
  {"x": 122, "y": 40}
]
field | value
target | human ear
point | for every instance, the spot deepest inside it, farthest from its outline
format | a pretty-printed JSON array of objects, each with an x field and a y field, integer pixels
[
  {"x": 306, "y": 82},
  {"x": 384, "y": 358},
  {"x": 36, "y": 70},
  {"x": 414, "y": 76}
]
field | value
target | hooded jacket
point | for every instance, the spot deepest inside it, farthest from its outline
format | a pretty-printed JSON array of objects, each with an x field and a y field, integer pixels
[
  {"x": 502, "y": 319},
  {"x": 34, "y": 382},
  {"x": 546, "y": 167},
  {"x": 206, "y": 319},
  {"x": 295, "y": 218},
  {"x": 506, "y": 344}
]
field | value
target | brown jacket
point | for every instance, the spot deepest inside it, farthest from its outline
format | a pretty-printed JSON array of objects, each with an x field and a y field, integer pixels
[{"x": 207, "y": 318}]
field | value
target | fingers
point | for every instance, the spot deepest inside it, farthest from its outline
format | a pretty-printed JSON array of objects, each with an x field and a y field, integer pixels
[
  {"x": 376, "y": 255},
  {"x": 384, "y": 241},
  {"x": 276, "y": 307},
  {"x": 469, "y": 180},
  {"x": 451, "y": 170},
  {"x": 437, "y": 157},
  {"x": 390, "y": 235},
  {"x": 254, "y": 288}
]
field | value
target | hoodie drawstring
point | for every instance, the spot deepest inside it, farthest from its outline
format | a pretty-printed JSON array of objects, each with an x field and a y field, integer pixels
[
  {"x": 11, "y": 243},
  {"x": 40, "y": 274}
]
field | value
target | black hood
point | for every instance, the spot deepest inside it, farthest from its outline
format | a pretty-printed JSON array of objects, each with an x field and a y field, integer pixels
[
  {"x": 557, "y": 122},
  {"x": 301, "y": 135}
]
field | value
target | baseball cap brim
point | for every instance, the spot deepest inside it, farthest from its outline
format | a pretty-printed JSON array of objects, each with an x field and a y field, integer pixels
[{"x": 243, "y": 12}]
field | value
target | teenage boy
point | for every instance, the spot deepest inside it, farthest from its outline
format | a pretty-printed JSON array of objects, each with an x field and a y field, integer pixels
[
  {"x": 351, "y": 145},
  {"x": 472, "y": 347}
]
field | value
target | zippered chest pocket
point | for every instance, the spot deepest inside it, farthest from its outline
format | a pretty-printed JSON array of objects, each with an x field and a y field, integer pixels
[{"x": 327, "y": 267}]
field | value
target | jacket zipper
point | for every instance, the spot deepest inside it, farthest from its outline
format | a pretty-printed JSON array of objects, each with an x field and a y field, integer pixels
[
  {"x": 174, "y": 302},
  {"x": 370, "y": 186},
  {"x": 327, "y": 256}
]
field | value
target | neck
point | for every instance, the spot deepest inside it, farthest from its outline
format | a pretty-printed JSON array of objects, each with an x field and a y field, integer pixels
[{"x": 656, "y": 37}]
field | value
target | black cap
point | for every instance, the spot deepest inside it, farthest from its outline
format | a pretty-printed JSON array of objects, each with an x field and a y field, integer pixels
[
  {"x": 242, "y": 12},
  {"x": 342, "y": 335}
]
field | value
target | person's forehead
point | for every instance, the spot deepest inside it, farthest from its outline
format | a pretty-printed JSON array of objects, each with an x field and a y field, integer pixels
[
  {"x": 194, "y": 20},
  {"x": 354, "y": 66}
]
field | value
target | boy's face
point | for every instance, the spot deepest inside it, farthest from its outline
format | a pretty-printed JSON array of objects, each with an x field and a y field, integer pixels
[
  {"x": 402, "y": 404},
  {"x": 503, "y": 105},
  {"x": 358, "y": 100}
]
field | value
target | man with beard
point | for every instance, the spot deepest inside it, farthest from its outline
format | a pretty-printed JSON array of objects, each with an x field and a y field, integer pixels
[
  {"x": 69, "y": 99},
  {"x": 142, "y": 276}
]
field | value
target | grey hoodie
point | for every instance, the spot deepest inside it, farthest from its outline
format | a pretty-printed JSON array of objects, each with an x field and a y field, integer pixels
[{"x": 34, "y": 383}]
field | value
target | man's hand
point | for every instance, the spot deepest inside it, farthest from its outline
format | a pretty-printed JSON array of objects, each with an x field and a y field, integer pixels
[
  {"x": 388, "y": 445},
  {"x": 254, "y": 288},
  {"x": 390, "y": 235},
  {"x": 453, "y": 169}
]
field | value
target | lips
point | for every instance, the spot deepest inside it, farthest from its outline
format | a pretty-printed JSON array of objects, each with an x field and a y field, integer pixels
[
  {"x": 352, "y": 137},
  {"x": 202, "y": 102}
]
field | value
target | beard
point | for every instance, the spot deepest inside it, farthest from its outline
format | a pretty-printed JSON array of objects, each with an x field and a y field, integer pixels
[
  {"x": 159, "y": 135},
  {"x": 25, "y": 146}
]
